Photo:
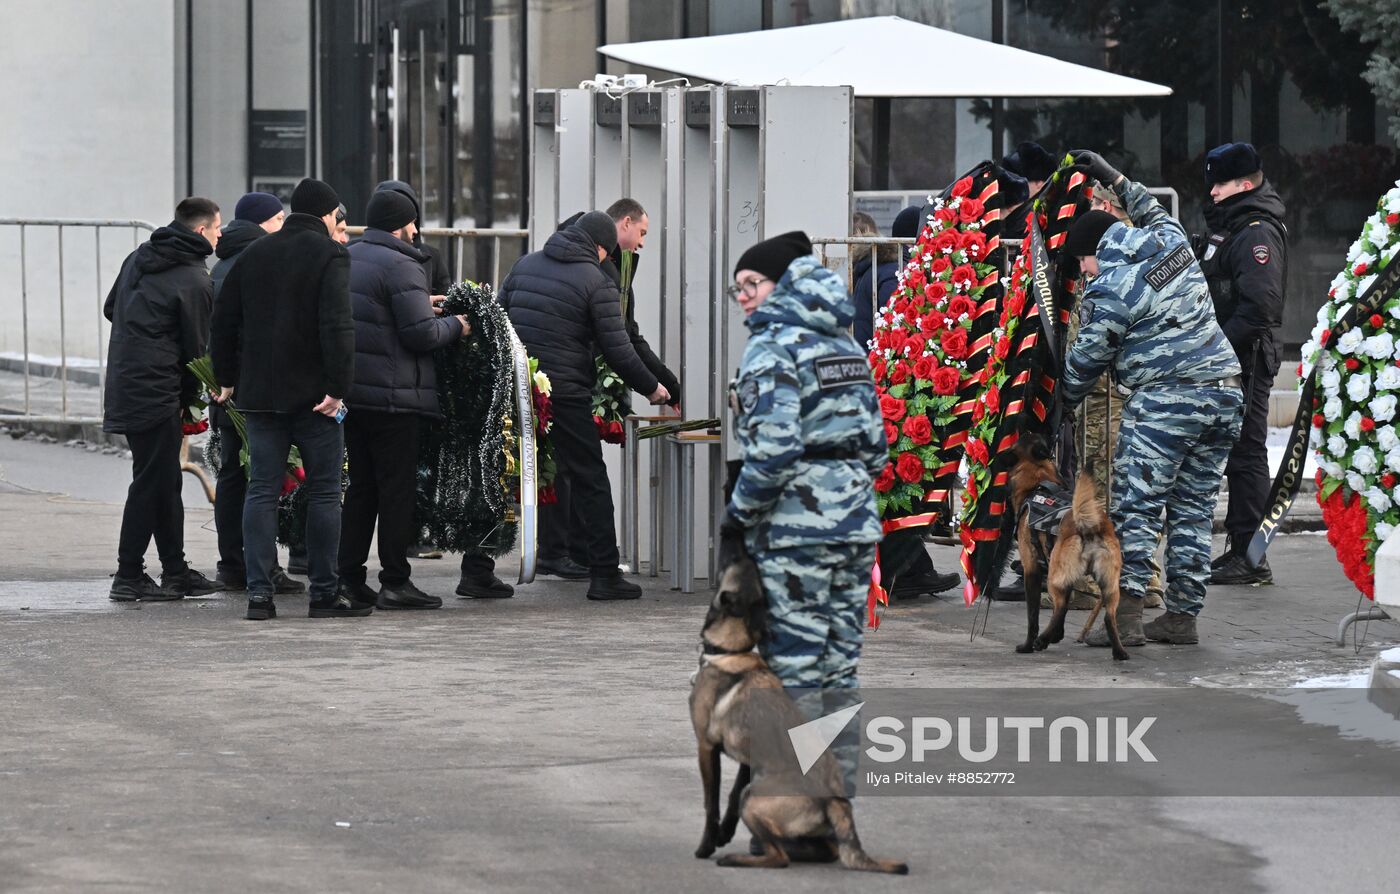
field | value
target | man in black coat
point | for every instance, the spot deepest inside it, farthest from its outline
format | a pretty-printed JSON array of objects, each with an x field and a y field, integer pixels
[
  {"x": 283, "y": 345},
  {"x": 1245, "y": 260},
  {"x": 255, "y": 215},
  {"x": 439, "y": 277},
  {"x": 564, "y": 307},
  {"x": 396, "y": 331},
  {"x": 159, "y": 308}
]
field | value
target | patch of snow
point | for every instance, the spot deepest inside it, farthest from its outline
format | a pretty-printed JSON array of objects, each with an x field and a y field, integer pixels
[
  {"x": 1277, "y": 444},
  {"x": 1356, "y": 680},
  {"x": 1391, "y": 656}
]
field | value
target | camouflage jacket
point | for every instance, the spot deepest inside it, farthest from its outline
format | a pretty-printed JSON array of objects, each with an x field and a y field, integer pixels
[
  {"x": 806, "y": 419},
  {"x": 1148, "y": 315}
]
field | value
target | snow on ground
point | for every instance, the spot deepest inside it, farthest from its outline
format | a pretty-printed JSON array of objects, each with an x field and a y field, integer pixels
[
  {"x": 1356, "y": 680},
  {"x": 1277, "y": 444}
]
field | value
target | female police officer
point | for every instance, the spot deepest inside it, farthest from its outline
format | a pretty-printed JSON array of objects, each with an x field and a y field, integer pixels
[{"x": 810, "y": 436}]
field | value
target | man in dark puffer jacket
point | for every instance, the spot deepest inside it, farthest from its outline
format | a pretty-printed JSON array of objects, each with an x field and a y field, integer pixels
[
  {"x": 562, "y": 304},
  {"x": 283, "y": 338},
  {"x": 159, "y": 307},
  {"x": 396, "y": 331}
]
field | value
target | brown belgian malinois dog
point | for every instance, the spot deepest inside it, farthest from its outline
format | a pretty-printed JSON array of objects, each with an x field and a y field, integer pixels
[
  {"x": 1084, "y": 545},
  {"x": 730, "y": 686}
]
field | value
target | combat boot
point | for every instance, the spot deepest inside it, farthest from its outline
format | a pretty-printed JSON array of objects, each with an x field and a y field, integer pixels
[
  {"x": 606, "y": 587},
  {"x": 1236, "y": 571},
  {"x": 1177, "y": 628},
  {"x": 1129, "y": 624}
]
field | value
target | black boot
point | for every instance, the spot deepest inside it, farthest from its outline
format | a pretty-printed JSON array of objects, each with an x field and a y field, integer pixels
[
  {"x": 1236, "y": 571},
  {"x": 406, "y": 595},
  {"x": 189, "y": 583},
  {"x": 338, "y": 606},
  {"x": 485, "y": 586},
  {"x": 566, "y": 568},
  {"x": 605, "y": 587},
  {"x": 912, "y": 586},
  {"x": 283, "y": 585},
  {"x": 261, "y": 608},
  {"x": 142, "y": 589},
  {"x": 360, "y": 593}
]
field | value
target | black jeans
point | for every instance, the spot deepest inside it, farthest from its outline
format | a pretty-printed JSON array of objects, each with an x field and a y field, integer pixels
[
  {"x": 382, "y": 449},
  {"x": 579, "y": 456},
  {"x": 270, "y": 438},
  {"x": 230, "y": 492},
  {"x": 154, "y": 507},
  {"x": 1247, "y": 469},
  {"x": 556, "y": 541}
]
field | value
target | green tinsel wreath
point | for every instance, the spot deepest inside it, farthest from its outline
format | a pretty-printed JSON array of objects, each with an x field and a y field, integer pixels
[{"x": 463, "y": 503}]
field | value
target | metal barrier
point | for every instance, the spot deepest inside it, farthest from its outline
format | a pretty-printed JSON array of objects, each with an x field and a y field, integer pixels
[
  {"x": 61, "y": 224},
  {"x": 872, "y": 244},
  {"x": 462, "y": 237}
]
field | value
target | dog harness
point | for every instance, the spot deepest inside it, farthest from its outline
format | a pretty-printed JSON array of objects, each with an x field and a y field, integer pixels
[{"x": 1043, "y": 511}]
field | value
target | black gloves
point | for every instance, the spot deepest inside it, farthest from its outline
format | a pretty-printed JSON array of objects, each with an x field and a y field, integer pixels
[
  {"x": 731, "y": 542},
  {"x": 1099, "y": 169}
]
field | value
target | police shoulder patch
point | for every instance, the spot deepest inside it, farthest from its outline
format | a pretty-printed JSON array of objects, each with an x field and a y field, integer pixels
[
  {"x": 1086, "y": 312},
  {"x": 833, "y": 372},
  {"x": 1169, "y": 268},
  {"x": 1261, "y": 254},
  {"x": 748, "y": 395}
]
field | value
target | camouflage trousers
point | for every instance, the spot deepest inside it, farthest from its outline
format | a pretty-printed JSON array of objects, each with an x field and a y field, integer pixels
[
  {"x": 1172, "y": 446},
  {"x": 816, "y": 625},
  {"x": 1098, "y": 423},
  {"x": 816, "y": 612}
]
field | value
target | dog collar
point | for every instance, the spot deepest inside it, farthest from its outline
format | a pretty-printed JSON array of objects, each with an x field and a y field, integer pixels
[{"x": 709, "y": 648}]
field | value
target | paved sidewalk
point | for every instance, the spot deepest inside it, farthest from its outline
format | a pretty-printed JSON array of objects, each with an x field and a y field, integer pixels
[{"x": 542, "y": 743}]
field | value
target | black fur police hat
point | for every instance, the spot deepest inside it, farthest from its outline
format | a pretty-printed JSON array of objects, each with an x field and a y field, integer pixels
[
  {"x": 1031, "y": 161},
  {"x": 1082, "y": 241},
  {"x": 1231, "y": 162}
]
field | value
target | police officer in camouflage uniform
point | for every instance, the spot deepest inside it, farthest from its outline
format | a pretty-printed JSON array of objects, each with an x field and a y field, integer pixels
[
  {"x": 1147, "y": 316},
  {"x": 811, "y": 441},
  {"x": 1245, "y": 262}
]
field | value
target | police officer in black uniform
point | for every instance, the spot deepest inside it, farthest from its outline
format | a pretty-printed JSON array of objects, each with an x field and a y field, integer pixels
[{"x": 1245, "y": 261}]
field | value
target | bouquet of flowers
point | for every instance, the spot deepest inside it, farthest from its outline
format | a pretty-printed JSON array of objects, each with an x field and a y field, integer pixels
[
  {"x": 1355, "y": 432},
  {"x": 612, "y": 400}
]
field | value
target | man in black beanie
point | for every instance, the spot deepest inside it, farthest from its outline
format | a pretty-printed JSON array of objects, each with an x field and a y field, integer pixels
[
  {"x": 562, "y": 305},
  {"x": 1245, "y": 260},
  {"x": 283, "y": 348},
  {"x": 1145, "y": 316},
  {"x": 395, "y": 387},
  {"x": 159, "y": 308},
  {"x": 1032, "y": 162}
]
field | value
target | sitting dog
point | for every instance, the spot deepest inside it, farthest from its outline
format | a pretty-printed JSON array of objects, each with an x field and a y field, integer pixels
[
  {"x": 723, "y": 694},
  {"x": 1083, "y": 545}
]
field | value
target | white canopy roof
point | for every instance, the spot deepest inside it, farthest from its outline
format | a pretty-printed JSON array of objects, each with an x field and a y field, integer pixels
[{"x": 880, "y": 56}]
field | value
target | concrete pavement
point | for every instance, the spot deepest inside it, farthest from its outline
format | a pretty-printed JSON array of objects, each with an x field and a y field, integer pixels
[{"x": 542, "y": 743}]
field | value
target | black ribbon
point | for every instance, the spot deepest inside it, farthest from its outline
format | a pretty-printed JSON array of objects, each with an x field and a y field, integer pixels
[
  {"x": 1290, "y": 475},
  {"x": 1040, "y": 292}
]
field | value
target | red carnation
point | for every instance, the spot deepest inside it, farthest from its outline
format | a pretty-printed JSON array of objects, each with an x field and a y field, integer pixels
[
  {"x": 954, "y": 343},
  {"x": 909, "y": 467},
  {"x": 892, "y": 408},
  {"x": 1377, "y": 321},
  {"x": 289, "y": 484},
  {"x": 961, "y": 305},
  {"x": 885, "y": 480},
  {"x": 919, "y": 429},
  {"x": 1319, "y": 420},
  {"x": 924, "y": 368},
  {"x": 1368, "y": 424},
  {"x": 891, "y": 432},
  {"x": 900, "y": 374},
  {"x": 1300, "y": 370},
  {"x": 940, "y": 265},
  {"x": 970, "y": 210},
  {"x": 1392, "y": 219},
  {"x": 992, "y": 399},
  {"x": 1360, "y": 269},
  {"x": 1389, "y": 479},
  {"x": 962, "y": 187},
  {"x": 964, "y": 276},
  {"x": 1322, "y": 339},
  {"x": 548, "y": 496},
  {"x": 935, "y": 292},
  {"x": 1353, "y": 364},
  {"x": 946, "y": 380}
]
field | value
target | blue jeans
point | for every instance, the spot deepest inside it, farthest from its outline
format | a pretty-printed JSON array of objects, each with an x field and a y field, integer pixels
[{"x": 321, "y": 442}]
